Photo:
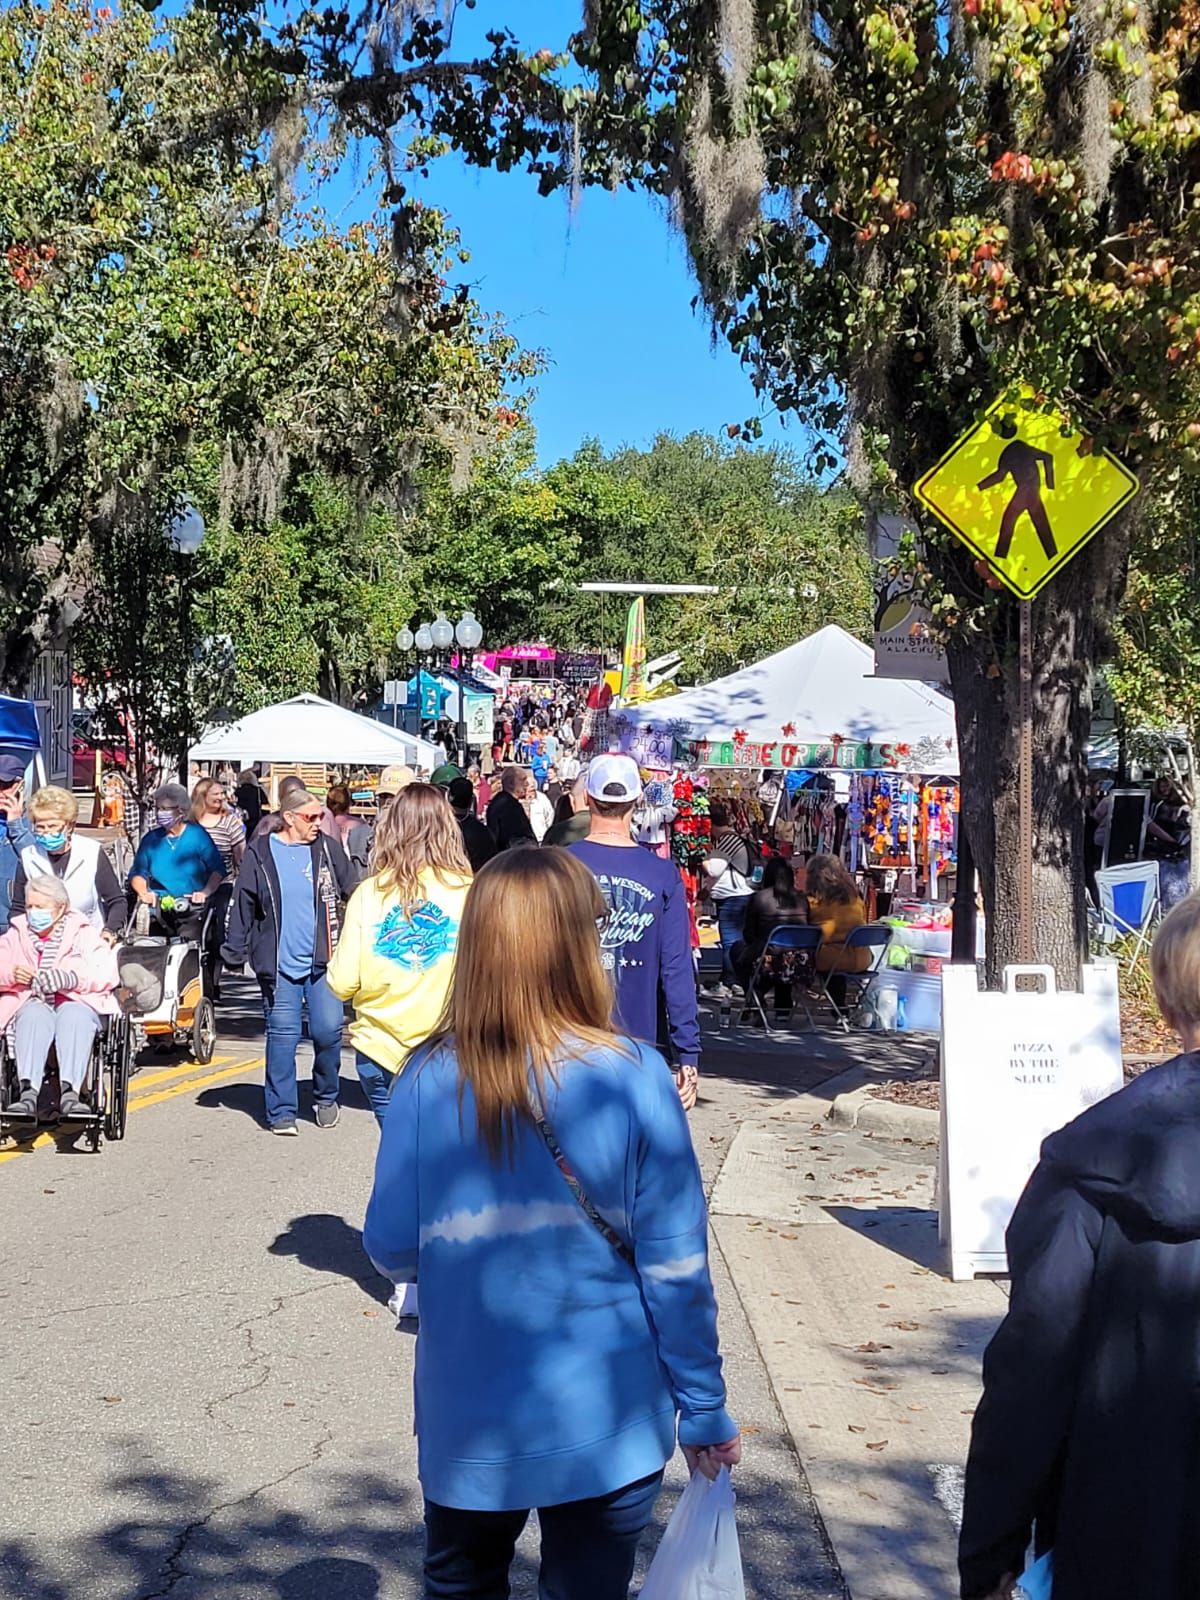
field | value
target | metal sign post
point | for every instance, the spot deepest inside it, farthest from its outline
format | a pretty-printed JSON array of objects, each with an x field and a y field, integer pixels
[{"x": 1025, "y": 789}]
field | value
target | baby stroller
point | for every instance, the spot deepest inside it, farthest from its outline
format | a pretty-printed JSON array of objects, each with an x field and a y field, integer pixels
[{"x": 164, "y": 979}]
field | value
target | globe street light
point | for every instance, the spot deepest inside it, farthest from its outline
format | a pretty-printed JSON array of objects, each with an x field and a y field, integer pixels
[
  {"x": 442, "y": 632},
  {"x": 404, "y": 640}
]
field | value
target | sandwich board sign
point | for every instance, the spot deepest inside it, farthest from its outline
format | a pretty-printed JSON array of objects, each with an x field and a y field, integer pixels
[
  {"x": 1025, "y": 491},
  {"x": 1017, "y": 1065}
]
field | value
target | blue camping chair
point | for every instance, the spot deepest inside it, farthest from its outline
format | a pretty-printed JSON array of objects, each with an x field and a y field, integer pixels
[
  {"x": 797, "y": 939},
  {"x": 872, "y": 936},
  {"x": 1128, "y": 904}
]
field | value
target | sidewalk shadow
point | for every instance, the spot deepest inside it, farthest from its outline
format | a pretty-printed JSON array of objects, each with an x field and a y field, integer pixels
[
  {"x": 325, "y": 1243},
  {"x": 908, "y": 1231}
]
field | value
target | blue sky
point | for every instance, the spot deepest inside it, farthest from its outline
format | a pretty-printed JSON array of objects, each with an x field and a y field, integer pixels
[{"x": 605, "y": 291}]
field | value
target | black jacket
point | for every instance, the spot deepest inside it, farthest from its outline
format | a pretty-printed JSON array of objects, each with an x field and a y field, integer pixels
[
  {"x": 508, "y": 822},
  {"x": 1089, "y": 1426},
  {"x": 477, "y": 841},
  {"x": 252, "y": 933}
]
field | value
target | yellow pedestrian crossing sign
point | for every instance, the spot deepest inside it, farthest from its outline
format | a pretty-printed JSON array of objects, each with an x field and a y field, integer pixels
[{"x": 1025, "y": 492}]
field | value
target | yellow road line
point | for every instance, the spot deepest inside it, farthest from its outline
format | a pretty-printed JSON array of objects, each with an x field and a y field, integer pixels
[
  {"x": 193, "y": 1083},
  {"x": 142, "y": 1101},
  {"x": 147, "y": 1080}
]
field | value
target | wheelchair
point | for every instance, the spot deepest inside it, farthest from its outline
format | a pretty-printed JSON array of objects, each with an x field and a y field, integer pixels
[
  {"x": 165, "y": 980},
  {"x": 104, "y": 1091}
]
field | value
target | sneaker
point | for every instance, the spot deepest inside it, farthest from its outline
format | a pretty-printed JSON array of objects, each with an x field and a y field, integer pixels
[
  {"x": 287, "y": 1130},
  {"x": 70, "y": 1105},
  {"x": 327, "y": 1115},
  {"x": 719, "y": 991},
  {"x": 25, "y": 1105}
]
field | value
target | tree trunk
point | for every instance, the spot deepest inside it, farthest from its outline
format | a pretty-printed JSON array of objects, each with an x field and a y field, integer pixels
[{"x": 1067, "y": 622}]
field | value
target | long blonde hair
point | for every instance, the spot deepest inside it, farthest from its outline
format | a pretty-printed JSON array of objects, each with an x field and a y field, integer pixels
[
  {"x": 528, "y": 985},
  {"x": 417, "y": 831}
]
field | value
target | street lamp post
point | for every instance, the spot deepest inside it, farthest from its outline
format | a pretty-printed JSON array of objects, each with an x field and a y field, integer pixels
[
  {"x": 434, "y": 641},
  {"x": 404, "y": 643},
  {"x": 185, "y": 535},
  {"x": 469, "y": 636}
]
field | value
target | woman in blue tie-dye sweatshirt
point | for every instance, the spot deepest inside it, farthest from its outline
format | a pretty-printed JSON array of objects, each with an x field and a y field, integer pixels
[{"x": 566, "y": 1336}]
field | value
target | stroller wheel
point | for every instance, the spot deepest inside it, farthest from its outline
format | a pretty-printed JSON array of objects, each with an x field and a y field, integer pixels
[{"x": 204, "y": 1031}]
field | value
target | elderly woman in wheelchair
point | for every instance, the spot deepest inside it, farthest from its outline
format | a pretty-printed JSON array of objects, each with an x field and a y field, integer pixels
[{"x": 57, "y": 977}]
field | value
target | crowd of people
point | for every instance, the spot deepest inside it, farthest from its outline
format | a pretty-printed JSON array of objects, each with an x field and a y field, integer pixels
[{"x": 507, "y": 1003}]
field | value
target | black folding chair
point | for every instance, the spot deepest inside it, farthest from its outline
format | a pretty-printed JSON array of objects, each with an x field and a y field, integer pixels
[
  {"x": 798, "y": 940},
  {"x": 874, "y": 937}
]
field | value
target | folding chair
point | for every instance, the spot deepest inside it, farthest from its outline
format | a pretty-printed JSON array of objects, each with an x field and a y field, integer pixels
[
  {"x": 873, "y": 937},
  {"x": 1128, "y": 904},
  {"x": 799, "y": 940}
]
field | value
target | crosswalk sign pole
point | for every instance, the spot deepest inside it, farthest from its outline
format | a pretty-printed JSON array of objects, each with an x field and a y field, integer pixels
[{"x": 1025, "y": 789}]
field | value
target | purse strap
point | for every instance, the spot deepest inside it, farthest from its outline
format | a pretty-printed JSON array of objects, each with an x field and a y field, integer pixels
[{"x": 538, "y": 1112}]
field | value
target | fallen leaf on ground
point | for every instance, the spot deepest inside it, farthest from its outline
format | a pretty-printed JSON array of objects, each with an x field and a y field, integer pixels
[
  {"x": 853, "y": 1428},
  {"x": 370, "y": 1313},
  {"x": 871, "y": 1348},
  {"x": 878, "y": 1445},
  {"x": 111, "y": 1399},
  {"x": 905, "y": 1327}
]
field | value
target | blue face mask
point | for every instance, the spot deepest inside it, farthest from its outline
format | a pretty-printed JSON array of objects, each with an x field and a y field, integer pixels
[
  {"x": 39, "y": 919},
  {"x": 52, "y": 843}
]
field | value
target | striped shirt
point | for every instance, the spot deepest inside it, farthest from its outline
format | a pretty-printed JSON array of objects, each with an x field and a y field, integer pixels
[{"x": 227, "y": 831}]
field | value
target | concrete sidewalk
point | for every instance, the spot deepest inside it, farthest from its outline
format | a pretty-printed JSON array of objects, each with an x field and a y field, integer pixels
[{"x": 830, "y": 1238}]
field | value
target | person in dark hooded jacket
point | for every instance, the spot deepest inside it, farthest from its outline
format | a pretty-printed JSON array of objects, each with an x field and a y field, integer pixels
[{"x": 1088, "y": 1435}]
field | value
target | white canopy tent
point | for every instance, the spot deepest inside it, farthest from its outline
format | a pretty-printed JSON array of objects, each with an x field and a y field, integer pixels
[
  {"x": 308, "y": 728},
  {"x": 816, "y": 704}
]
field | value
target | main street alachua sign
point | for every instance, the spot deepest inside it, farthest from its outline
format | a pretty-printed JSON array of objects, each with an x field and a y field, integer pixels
[{"x": 1025, "y": 492}]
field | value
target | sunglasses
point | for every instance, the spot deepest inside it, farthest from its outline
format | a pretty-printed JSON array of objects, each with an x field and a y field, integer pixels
[{"x": 307, "y": 816}]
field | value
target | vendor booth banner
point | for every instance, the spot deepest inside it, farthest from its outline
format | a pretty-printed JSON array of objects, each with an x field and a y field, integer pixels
[
  {"x": 903, "y": 648},
  {"x": 661, "y": 749}
]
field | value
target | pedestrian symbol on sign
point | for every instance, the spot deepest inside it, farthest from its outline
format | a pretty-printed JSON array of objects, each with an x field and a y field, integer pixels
[
  {"x": 1024, "y": 465},
  {"x": 1025, "y": 491}
]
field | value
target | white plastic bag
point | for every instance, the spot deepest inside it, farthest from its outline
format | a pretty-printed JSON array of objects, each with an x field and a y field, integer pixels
[{"x": 699, "y": 1558}]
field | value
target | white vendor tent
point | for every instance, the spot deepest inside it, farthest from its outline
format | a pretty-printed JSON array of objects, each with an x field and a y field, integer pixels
[
  {"x": 816, "y": 704},
  {"x": 308, "y": 729}
]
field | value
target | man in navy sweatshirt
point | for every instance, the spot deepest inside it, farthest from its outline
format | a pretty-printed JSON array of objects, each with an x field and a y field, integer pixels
[{"x": 646, "y": 942}]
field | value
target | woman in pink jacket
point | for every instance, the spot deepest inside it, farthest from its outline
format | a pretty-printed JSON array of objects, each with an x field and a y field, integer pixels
[{"x": 57, "y": 978}]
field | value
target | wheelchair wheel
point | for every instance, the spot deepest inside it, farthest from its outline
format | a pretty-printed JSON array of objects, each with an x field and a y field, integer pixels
[
  {"x": 204, "y": 1031},
  {"x": 116, "y": 1084}
]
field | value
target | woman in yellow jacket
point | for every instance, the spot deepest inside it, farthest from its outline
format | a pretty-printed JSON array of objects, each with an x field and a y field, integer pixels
[
  {"x": 396, "y": 953},
  {"x": 835, "y": 906}
]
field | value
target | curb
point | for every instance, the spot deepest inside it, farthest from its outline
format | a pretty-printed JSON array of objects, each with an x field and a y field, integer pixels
[{"x": 854, "y": 1106}]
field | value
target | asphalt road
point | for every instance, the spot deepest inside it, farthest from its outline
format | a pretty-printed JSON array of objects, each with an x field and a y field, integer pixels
[{"x": 202, "y": 1392}]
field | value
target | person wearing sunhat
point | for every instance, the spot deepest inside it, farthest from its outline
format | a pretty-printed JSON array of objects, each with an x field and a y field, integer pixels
[
  {"x": 646, "y": 943},
  {"x": 16, "y": 834}
]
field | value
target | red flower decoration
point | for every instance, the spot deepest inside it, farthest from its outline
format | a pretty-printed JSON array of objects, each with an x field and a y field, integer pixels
[
  {"x": 903, "y": 749},
  {"x": 739, "y": 736},
  {"x": 789, "y": 729}
]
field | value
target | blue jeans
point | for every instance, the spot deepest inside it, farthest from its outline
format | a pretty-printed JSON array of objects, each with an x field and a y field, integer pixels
[
  {"x": 731, "y": 918},
  {"x": 376, "y": 1083},
  {"x": 284, "y": 1002},
  {"x": 588, "y": 1547}
]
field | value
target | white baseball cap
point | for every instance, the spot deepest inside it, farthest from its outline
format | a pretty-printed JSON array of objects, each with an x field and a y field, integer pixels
[{"x": 614, "y": 778}]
